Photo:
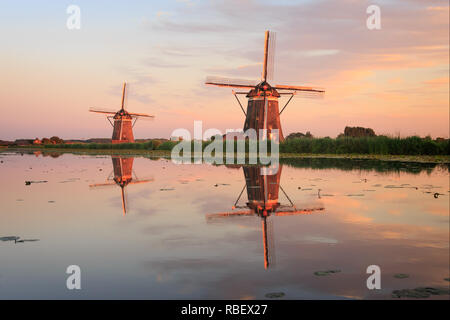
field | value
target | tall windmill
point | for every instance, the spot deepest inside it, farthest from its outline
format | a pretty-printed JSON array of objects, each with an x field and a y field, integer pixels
[
  {"x": 262, "y": 194},
  {"x": 263, "y": 110},
  {"x": 122, "y": 121},
  {"x": 123, "y": 176}
]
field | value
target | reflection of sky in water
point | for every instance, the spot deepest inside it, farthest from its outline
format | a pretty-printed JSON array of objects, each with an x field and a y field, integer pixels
[{"x": 164, "y": 248}]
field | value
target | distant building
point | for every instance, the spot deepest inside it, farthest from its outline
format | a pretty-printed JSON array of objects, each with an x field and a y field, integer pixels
[
  {"x": 23, "y": 142},
  {"x": 4, "y": 143}
]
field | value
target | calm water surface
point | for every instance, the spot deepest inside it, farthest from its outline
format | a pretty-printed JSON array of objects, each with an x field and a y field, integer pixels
[{"x": 183, "y": 232}]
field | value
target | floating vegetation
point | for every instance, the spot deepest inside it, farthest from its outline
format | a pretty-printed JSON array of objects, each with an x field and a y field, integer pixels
[
  {"x": 26, "y": 240},
  {"x": 447, "y": 279},
  {"x": 369, "y": 190},
  {"x": 221, "y": 184},
  {"x": 391, "y": 186},
  {"x": 274, "y": 295},
  {"x": 9, "y": 238},
  {"x": 401, "y": 275},
  {"x": 167, "y": 189},
  {"x": 355, "y": 195},
  {"x": 430, "y": 186},
  {"x": 421, "y": 292},
  {"x": 27, "y": 183},
  {"x": 69, "y": 180},
  {"x": 16, "y": 239},
  {"x": 325, "y": 273}
]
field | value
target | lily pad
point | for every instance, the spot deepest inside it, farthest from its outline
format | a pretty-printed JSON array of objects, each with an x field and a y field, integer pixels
[
  {"x": 401, "y": 275},
  {"x": 325, "y": 273},
  {"x": 10, "y": 238},
  {"x": 274, "y": 295},
  {"x": 421, "y": 292}
]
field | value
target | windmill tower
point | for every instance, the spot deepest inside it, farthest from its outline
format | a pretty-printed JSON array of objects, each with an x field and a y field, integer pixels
[
  {"x": 263, "y": 109},
  {"x": 262, "y": 194},
  {"x": 122, "y": 121},
  {"x": 123, "y": 176}
]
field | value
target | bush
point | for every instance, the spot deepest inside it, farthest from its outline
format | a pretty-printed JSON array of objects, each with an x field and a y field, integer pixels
[
  {"x": 167, "y": 145},
  {"x": 367, "y": 145}
]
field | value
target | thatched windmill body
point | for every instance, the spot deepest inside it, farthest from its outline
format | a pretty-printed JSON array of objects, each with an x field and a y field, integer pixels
[
  {"x": 263, "y": 108},
  {"x": 122, "y": 121}
]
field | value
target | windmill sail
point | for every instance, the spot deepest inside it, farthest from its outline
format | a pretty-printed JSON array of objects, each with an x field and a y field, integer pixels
[
  {"x": 299, "y": 88},
  {"x": 134, "y": 114},
  {"x": 107, "y": 111},
  {"x": 228, "y": 82},
  {"x": 269, "y": 55}
]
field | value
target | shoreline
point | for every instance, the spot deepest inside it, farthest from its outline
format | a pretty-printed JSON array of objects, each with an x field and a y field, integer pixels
[{"x": 440, "y": 159}]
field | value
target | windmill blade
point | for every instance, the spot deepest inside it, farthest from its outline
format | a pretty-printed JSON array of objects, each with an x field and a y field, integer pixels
[
  {"x": 108, "y": 111},
  {"x": 268, "y": 243},
  {"x": 299, "y": 88},
  {"x": 228, "y": 82},
  {"x": 134, "y": 114},
  {"x": 309, "y": 95},
  {"x": 123, "y": 95},
  {"x": 269, "y": 55},
  {"x": 298, "y": 212},
  {"x": 141, "y": 181},
  {"x": 214, "y": 216},
  {"x": 124, "y": 200},
  {"x": 101, "y": 185}
]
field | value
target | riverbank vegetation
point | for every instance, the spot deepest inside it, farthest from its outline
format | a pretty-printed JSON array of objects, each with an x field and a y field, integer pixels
[{"x": 378, "y": 145}]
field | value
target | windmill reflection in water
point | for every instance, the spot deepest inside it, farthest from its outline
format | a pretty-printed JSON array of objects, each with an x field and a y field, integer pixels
[
  {"x": 122, "y": 176},
  {"x": 263, "y": 185}
]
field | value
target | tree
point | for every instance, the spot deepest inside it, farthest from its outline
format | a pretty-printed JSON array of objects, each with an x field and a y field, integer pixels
[
  {"x": 299, "y": 135},
  {"x": 358, "y": 132},
  {"x": 56, "y": 140}
]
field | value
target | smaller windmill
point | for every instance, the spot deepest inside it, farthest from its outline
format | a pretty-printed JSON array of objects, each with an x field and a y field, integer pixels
[
  {"x": 123, "y": 176},
  {"x": 262, "y": 194},
  {"x": 122, "y": 121}
]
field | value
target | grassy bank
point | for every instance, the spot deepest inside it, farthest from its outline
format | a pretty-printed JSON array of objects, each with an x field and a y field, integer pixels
[{"x": 411, "y": 149}]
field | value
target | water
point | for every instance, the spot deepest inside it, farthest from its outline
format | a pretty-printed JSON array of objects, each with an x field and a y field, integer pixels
[{"x": 177, "y": 236}]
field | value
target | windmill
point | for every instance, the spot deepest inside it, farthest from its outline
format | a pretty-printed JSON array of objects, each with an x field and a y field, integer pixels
[
  {"x": 263, "y": 110},
  {"x": 123, "y": 170},
  {"x": 262, "y": 194},
  {"x": 124, "y": 121}
]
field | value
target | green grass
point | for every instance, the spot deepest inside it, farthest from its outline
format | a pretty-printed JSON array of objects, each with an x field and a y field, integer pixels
[
  {"x": 380, "y": 145},
  {"x": 413, "y": 149}
]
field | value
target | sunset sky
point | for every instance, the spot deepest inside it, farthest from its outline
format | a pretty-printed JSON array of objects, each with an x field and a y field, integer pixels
[{"x": 394, "y": 80}]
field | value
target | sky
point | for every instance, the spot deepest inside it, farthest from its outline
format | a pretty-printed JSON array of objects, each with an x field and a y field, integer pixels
[{"x": 394, "y": 80}]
